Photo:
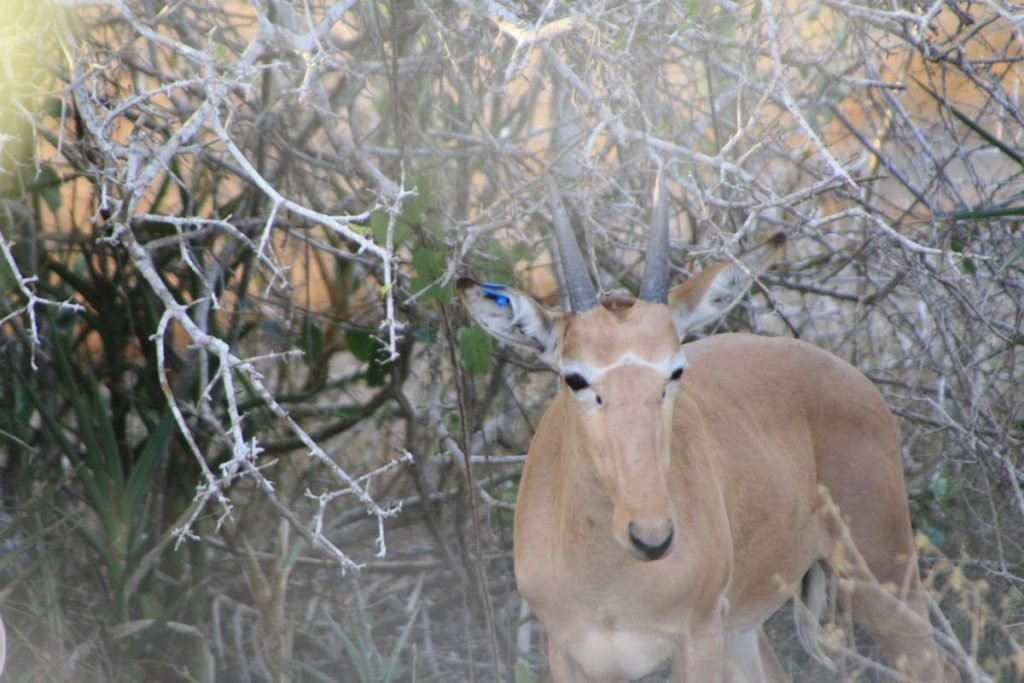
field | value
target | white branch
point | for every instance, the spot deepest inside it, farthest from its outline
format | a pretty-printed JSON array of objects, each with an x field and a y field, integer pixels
[{"x": 26, "y": 285}]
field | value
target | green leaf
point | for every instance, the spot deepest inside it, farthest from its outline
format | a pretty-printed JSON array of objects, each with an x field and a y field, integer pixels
[
  {"x": 755, "y": 14},
  {"x": 377, "y": 371},
  {"x": 452, "y": 422},
  {"x": 141, "y": 478},
  {"x": 360, "y": 343},
  {"x": 839, "y": 33},
  {"x": 52, "y": 106},
  {"x": 934, "y": 535},
  {"x": 107, "y": 459},
  {"x": 102, "y": 549},
  {"x": 522, "y": 673},
  {"x": 221, "y": 53},
  {"x": 434, "y": 226},
  {"x": 313, "y": 673},
  {"x": 1014, "y": 257},
  {"x": 507, "y": 493},
  {"x": 416, "y": 212},
  {"x": 425, "y": 334},
  {"x": 1018, "y": 340},
  {"x": 982, "y": 213},
  {"x": 295, "y": 552},
  {"x": 150, "y": 606},
  {"x": 311, "y": 341},
  {"x": 429, "y": 265},
  {"x": 941, "y": 487},
  {"x": 353, "y": 412},
  {"x": 521, "y": 251},
  {"x": 416, "y": 206},
  {"x": 393, "y": 664},
  {"x": 973, "y": 125},
  {"x": 368, "y": 349},
  {"x": 48, "y": 184},
  {"x": 274, "y": 329},
  {"x": 502, "y": 267},
  {"x": 7, "y": 283},
  {"x": 475, "y": 349},
  {"x": 94, "y": 473},
  {"x": 358, "y": 656},
  {"x": 379, "y": 227}
]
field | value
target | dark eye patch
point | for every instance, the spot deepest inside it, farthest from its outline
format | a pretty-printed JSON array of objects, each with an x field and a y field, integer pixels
[
  {"x": 676, "y": 374},
  {"x": 576, "y": 382}
]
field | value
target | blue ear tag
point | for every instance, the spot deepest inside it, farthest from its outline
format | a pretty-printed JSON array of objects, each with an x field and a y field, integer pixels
[{"x": 493, "y": 290}]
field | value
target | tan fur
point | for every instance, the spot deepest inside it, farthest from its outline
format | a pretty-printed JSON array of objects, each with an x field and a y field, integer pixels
[
  {"x": 768, "y": 456},
  {"x": 757, "y": 425},
  {"x": 690, "y": 293}
]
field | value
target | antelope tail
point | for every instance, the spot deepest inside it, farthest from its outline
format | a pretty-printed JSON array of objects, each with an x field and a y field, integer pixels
[{"x": 807, "y": 611}]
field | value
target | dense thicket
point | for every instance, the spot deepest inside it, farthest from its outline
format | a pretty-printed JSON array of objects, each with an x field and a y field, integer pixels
[{"x": 245, "y": 432}]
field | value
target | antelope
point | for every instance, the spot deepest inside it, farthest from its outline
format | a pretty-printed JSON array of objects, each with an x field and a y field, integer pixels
[{"x": 675, "y": 495}]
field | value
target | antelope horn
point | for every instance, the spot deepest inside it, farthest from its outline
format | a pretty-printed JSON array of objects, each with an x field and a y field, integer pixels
[
  {"x": 582, "y": 296},
  {"x": 655, "y": 283}
]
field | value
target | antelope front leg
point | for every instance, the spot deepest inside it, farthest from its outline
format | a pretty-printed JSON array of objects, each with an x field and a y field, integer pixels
[{"x": 700, "y": 658}]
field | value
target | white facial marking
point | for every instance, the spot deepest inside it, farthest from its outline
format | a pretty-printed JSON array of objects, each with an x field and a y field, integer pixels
[
  {"x": 590, "y": 396},
  {"x": 594, "y": 373}
]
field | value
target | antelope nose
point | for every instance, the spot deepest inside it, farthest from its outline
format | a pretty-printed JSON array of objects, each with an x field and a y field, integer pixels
[{"x": 652, "y": 544}]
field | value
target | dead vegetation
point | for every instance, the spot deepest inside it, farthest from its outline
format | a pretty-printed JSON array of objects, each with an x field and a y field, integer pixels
[{"x": 232, "y": 371}]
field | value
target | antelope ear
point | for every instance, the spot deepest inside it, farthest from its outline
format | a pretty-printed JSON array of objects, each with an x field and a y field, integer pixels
[
  {"x": 710, "y": 294},
  {"x": 512, "y": 317}
]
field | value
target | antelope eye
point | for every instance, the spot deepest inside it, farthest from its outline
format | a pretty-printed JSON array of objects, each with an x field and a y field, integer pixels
[
  {"x": 576, "y": 382},
  {"x": 676, "y": 374}
]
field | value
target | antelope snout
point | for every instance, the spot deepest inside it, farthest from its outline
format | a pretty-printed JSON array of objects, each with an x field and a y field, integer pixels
[{"x": 651, "y": 541}]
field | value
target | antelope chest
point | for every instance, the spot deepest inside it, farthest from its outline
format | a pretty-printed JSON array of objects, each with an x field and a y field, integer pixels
[
  {"x": 607, "y": 651},
  {"x": 613, "y": 629}
]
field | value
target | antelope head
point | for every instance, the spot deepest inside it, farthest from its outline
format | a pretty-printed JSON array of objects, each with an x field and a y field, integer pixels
[{"x": 622, "y": 364}]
